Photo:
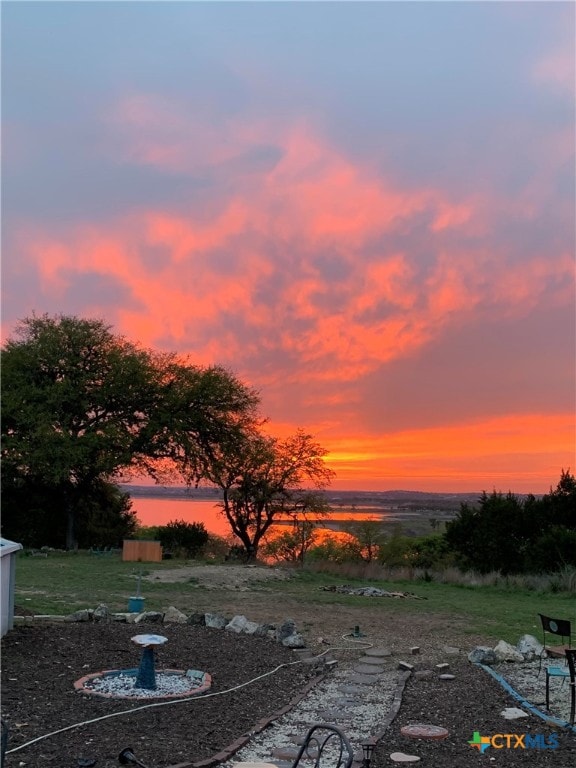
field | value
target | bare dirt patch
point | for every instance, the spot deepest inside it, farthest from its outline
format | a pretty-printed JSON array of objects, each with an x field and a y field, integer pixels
[{"x": 220, "y": 576}]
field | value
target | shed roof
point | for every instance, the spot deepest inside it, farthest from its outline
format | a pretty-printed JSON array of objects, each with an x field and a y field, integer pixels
[{"x": 7, "y": 546}]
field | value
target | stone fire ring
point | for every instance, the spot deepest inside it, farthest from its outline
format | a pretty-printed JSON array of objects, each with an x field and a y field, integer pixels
[{"x": 204, "y": 680}]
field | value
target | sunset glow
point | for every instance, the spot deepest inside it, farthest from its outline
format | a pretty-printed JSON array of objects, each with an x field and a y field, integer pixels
[{"x": 366, "y": 211}]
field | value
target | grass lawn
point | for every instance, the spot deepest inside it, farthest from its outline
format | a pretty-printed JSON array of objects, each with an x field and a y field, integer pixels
[{"x": 64, "y": 582}]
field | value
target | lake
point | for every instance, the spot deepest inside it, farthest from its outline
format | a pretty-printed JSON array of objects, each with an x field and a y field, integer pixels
[{"x": 160, "y": 511}]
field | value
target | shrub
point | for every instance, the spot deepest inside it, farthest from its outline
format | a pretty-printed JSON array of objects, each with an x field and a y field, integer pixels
[{"x": 182, "y": 538}]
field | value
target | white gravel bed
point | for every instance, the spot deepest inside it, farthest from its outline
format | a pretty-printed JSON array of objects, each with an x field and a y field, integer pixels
[
  {"x": 122, "y": 685},
  {"x": 525, "y": 680}
]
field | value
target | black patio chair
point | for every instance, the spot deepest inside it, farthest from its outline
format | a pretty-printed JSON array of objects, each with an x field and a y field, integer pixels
[
  {"x": 563, "y": 673},
  {"x": 571, "y": 659},
  {"x": 326, "y": 746},
  {"x": 560, "y": 628}
]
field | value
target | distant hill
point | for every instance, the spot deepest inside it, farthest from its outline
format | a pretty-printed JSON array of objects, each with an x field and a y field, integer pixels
[{"x": 345, "y": 498}]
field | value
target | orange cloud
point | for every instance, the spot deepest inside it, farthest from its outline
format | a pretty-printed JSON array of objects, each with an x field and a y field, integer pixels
[{"x": 250, "y": 271}]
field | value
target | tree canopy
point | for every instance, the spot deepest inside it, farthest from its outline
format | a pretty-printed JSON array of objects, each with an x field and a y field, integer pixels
[
  {"x": 81, "y": 405},
  {"x": 513, "y": 535},
  {"x": 264, "y": 478}
]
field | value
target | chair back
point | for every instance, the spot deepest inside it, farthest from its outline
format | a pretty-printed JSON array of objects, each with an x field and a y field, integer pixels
[
  {"x": 561, "y": 627},
  {"x": 327, "y": 747}
]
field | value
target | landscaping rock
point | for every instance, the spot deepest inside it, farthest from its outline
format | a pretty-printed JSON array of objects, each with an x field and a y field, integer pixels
[
  {"x": 215, "y": 621},
  {"x": 482, "y": 655},
  {"x": 153, "y": 617},
  {"x": 287, "y": 628},
  {"x": 174, "y": 616},
  {"x": 197, "y": 619},
  {"x": 294, "y": 641},
  {"x": 101, "y": 613},
  {"x": 83, "y": 615},
  {"x": 506, "y": 652},
  {"x": 529, "y": 647},
  {"x": 240, "y": 624}
]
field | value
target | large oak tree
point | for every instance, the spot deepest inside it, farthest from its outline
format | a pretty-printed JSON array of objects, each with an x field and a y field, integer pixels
[{"x": 81, "y": 404}]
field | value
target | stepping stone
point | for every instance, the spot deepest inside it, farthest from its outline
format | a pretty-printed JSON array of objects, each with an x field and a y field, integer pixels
[
  {"x": 513, "y": 713},
  {"x": 446, "y": 677},
  {"x": 330, "y": 715},
  {"x": 359, "y": 679},
  {"x": 378, "y": 652},
  {"x": 255, "y": 765},
  {"x": 424, "y": 731},
  {"x": 348, "y": 702},
  {"x": 400, "y": 757},
  {"x": 423, "y": 674},
  {"x": 451, "y": 650},
  {"x": 371, "y": 660},
  {"x": 284, "y": 753},
  {"x": 347, "y": 688},
  {"x": 368, "y": 669},
  {"x": 445, "y": 665}
]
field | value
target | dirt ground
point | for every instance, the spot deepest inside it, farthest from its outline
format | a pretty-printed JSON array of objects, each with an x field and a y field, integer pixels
[{"x": 220, "y": 576}]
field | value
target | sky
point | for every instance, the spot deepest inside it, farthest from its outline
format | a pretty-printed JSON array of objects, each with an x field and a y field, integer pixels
[{"x": 365, "y": 210}]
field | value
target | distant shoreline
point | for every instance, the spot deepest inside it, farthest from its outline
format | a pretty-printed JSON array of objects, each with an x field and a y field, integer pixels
[{"x": 392, "y": 498}]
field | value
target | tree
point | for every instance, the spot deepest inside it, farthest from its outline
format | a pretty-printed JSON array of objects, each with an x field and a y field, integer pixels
[
  {"x": 198, "y": 415},
  {"x": 263, "y": 479},
  {"x": 180, "y": 536},
  {"x": 370, "y": 537},
  {"x": 291, "y": 546},
  {"x": 80, "y": 405},
  {"x": 74, "y": 398},
  {"x": 513, "y": 535}
]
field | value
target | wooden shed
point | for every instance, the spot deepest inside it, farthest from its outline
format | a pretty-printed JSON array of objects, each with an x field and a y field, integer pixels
[
  {"x": 8, "y": 551},
  {"x": 140, "y": 551}
]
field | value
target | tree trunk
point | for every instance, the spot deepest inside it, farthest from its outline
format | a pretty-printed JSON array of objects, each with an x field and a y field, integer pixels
[{"x": 71, "y": 541}]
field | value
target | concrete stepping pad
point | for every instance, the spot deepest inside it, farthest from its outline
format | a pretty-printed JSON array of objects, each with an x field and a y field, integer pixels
[
  {"x": 347, "y": 688},
  {"x": 359, "y": 679},
  {"x": 371, "y": 660},
  {"x": 384, "y": 652},
  {"x": 331, "y": 715},
  {"x": 368, "y": 669},
  {"x": 285, "y": 753}
]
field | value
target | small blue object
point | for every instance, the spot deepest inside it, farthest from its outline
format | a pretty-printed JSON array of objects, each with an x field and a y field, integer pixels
[{"x": 136, "y": 604}]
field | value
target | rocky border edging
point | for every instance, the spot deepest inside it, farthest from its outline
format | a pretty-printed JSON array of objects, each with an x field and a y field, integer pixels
[{"x": 284, "y": 633}]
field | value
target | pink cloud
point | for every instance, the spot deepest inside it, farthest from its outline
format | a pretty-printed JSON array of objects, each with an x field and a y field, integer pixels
[{"x": 252, "y": 255}]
